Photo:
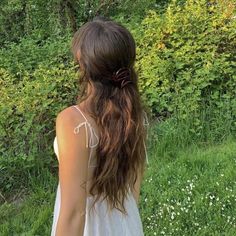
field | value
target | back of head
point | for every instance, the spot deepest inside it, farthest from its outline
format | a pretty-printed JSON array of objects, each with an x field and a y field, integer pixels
[
  {"x": 106, "y": 53},
  {"x": 104, "y": 48}
]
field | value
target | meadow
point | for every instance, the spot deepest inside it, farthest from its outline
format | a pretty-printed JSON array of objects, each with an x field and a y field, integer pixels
[{"x": 189, "y": 188}]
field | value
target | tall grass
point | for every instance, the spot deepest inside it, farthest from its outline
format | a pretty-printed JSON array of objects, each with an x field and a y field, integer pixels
[
  {"x": 190, "y": 184},
  {"x": 207, "y": 127}
]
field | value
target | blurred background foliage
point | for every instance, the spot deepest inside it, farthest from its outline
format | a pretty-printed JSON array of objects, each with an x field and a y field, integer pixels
[
  {"x": 185, "y": 61},
  {"x": 44, "y": 19}
]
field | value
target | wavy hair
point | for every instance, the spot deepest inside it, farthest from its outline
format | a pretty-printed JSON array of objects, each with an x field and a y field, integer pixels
[{"x": 106, "y": 46}]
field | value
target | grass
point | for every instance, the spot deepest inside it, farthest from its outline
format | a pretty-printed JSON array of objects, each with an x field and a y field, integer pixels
[
  {"x": 31, "y": 214},
  {"x": 191, "y": 192},
  {"x": 189, "y": 189}
]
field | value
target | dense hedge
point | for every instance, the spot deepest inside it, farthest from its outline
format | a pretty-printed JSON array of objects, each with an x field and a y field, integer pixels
[
  {"x": 28, "y": 109},
  {"x": 25, "y": 57},
  {"x": 186, "y": 57}
]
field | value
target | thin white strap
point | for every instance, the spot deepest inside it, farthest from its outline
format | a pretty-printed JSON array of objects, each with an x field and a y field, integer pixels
[
  {"x": 89, "y": 143},
  {"x": 91, "y": 129},
  {"x": 93, "y": 133},
  {"x": 145, "y": 123},
  {"x": 146, "y": 152},
  {"x": 81, "y": 112},
  {"x": 145, "y": 118},
  {"x": 76, "y": 130}
]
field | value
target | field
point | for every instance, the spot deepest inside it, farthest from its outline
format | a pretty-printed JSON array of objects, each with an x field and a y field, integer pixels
[{"x": 188, "y": 190}]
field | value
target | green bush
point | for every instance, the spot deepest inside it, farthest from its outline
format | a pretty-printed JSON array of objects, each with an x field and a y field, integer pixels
[
  {"x": 23, "y": 58},
  {"x": 20, "y": 18},
  {"x": 28, "y": 110},
  {"x": 186, "y": 58}
]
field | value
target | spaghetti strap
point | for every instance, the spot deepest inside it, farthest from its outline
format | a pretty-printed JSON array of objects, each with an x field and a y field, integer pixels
[
  {"x": 81, "y": 113},
  {"x": 145, "y": 123},
  {"x": 91, "y": 143}
]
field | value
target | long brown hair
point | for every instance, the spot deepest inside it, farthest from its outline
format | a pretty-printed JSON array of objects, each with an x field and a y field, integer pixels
[{"x": 106, "y": 46}]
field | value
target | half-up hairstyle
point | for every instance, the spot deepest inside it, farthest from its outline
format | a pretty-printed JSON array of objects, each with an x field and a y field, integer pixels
[{"x": 105, "y": 47}]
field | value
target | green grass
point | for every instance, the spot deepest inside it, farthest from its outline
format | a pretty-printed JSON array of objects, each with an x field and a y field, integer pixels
[
  {"x": 30, "y": 214},
  {"x": 191, "y": 192},
  {"x": 189, "y": 187}
]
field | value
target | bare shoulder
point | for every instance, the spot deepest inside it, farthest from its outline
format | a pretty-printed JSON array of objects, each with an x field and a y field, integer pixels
[
  {"x": 69, "y": 115},
  {"x": 68, "y": 139},
  {"x": 67, "y": 120},
  {"x": 66, "y": 113}
]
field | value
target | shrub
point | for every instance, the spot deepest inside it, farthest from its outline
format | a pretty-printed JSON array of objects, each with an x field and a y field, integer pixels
[
  {"x": 186, "y": 58},
  {"x": 23, "y": 58},
  {"x": 28, "y": 110}
]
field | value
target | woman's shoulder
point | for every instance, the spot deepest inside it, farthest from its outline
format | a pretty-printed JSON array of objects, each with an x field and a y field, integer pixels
[
  {"x": 71, "y": 114},
  {"x": 67, "y": 120},
  {"x": 76, "y": 115}
]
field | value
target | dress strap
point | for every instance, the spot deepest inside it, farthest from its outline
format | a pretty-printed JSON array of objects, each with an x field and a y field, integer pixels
[
  {"x": 146, "y": 152},
  {"x": 145, "y": 123},
  {"x": 81, "y": 113},
  {"x": 91, "y": 142},
  {"x": 145, "y": 119}
]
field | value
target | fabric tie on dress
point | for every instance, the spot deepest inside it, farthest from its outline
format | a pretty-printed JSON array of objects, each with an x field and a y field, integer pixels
[
  {"x": 87, "y": 125},
  {"x": 91, "y": 143}
]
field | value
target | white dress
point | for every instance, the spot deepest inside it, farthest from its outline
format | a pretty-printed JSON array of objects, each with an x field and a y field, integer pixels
[{"x": 101, "y": 222}]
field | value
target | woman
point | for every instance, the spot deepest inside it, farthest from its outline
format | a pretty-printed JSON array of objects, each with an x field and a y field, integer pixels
[{"x": 100, "y": 142}]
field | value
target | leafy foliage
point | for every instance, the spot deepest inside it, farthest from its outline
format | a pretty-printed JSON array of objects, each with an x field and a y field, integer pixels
[
  {"x": 28, "y": 110},
  {"x": 24, "y": 57},
  {"x": 186, "y": 57},
  {"x": 53, "y": 18}
]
